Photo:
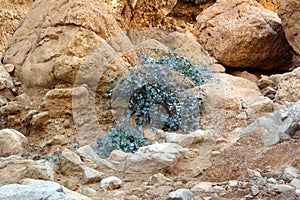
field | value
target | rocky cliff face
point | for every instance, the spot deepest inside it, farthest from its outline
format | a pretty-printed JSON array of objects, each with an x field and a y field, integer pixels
[{"x": 149, "y": 99}]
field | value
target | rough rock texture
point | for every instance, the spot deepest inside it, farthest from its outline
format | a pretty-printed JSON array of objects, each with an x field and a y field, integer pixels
[
  {"x": 16, "y": 168},
  {"x": 288, "y": 11},
  {"x": 277, "y": 127},
  {"x": 269, "y": 4},
  {"x": 12, "y": 142},
  {"x": 229, "y": 92},
  {"x": 241, "y": 33},
  {"x": 281, "y": 87},
  {"x": 54, "y": 38},
  {"x": 11, "y": 14}
]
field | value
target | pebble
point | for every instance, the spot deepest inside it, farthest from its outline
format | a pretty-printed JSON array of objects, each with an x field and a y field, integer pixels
[
  {"x": 180, "y": 194},
  {"x": 296, "y": 183},
  {"x": 111, "y": 183},
  {"x": 255, "y": 190}
]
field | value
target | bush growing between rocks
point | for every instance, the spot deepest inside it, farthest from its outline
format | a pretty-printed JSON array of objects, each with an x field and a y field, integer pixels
[{"x": 162, "y": 83}]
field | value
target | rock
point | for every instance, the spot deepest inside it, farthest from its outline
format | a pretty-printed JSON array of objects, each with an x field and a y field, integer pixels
[
  {"x": 272, "y": 180},
  {"x": 188, "y": 46},
  {"x": 232, "y": 183},
  {"x": 265, "y": 82},
  {"x": 40, "y": 119},
  {"x": 207, "y": 187},
  {"x": 255, "y": 190},
  {"x": 49, "y": 190},
  {"x": 12, "y": 142},
  {"x": 70, "y": 163},
  {"x": 111, "y": 183},
  {"x": 14, "y": 169},
  {"x": 289, "y": 173},
  {"x": 251, "y": 39},
  {"x": 51, "y": 47},
  {"x": 91, "y": 175},
  {"x": 180, "y": 194},
  {"x": 246, "y": 75},
  {"x": 70, "y": 194},
  {"x": 142, "y": 13},
  {"x": 253, "y": 173},
  {"x": 282, "y": 188},
  {"x": 6, "y": 81},
  {"x": 3, "y": 101},
  {"x": 153, "y": 157},
  {"x": 9, "y": 68},
  {"x": 296, "y": 183},
  {"x": 260, "y": 105},
  {"x": 90, "y": 192},
  {"x": 288, "y": 11},
  {"x": 270, "y": 5},
  {"x": 87, "y": 153},
  {"x": 228, "y": 92},
  {"x": 185, "y": 140},
  {"x": 159, "y": 179},
  {"x": 287, "y": 85},
  {"x": 278, "y": 126}
]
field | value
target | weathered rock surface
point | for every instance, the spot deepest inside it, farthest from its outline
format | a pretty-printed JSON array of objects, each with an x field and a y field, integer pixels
[
  {"x": 275, "y": 127},
  {"x": 47, "y": 46},
  {"x": 229, "y": 92},
  {"x": 241, "y": 33},
  {"x": 147, "y": 159},
  {"x": 12, "y": 142},
  {"x": 111, "y": 183},
  {"x": 180, "y": 194},
  {"x": 288, "y": 11},
  {"x": 15, "y": 168},
  {"x": 69, "y": 193}
]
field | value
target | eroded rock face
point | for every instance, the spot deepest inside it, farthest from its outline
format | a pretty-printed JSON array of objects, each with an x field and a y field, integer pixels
[
  {"x": 241, "y": 33},
  {"x": 12, "y": 142},
  {"x": 289, "y": 13},
  {"x": 54, "y": 38}
]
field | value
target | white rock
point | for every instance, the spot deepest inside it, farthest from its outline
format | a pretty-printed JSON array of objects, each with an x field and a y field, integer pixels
[
  {"x": 70, "y": 194},
  {"x": 283, "y": 188},
  {"x": 5, "y": 79},
  {"x": 272, "y": 180},
  {"x": 253, "y": 173},
  {"x": 260, "y": 105},
  {"x": 70, "y": 162},
  {"x": 255, "y": 190},
  {"x": 180, "y": 194},
  {"x": 233, "y": 183},
  {"x": 297, "y": 192},
  {"x": 290, "y": 173},
  {"x": 12, "y": 142},
  {"x": 111, "y": 183},
  {"x": 154, "y": 157},
  {"x": 48, "y": 190},
  {"x": 203, "y": 187},
  {"x": 90, "y": 175},
  {"x": 296, "y": 183}
]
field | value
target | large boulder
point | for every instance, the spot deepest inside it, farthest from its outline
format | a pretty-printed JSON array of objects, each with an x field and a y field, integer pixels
[
  {"x": 241, "y": 33},
  {"x": 289, "y": 13},
  {"x": 55, "y": 37}
]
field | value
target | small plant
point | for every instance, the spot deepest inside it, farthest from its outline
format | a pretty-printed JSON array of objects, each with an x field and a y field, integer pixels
[
  {"x": 54, "y": 158},
  {"x": 128, "y": 140}
]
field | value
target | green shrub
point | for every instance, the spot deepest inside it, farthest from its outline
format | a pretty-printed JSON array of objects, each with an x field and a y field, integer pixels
[{"x": 128, "y": 140}]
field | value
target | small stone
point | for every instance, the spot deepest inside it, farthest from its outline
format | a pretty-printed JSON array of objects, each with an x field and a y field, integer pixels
[
  {"x": 90, "y": 175},
  {"x": 111, "y": 183},
  {"x": 296, "y": 183},
  {"x": 254, "y": 173},
  {"x": 3, "y": 101},
  {"x": 289, "y": 173},
  {"x": 272, "y": 180},
  {"x": 297, "y": 192},
  {"x": 67, "y": 123},
  {"x": 265, "y": 82},
  {"x": 131, "y": 197},
  {"x": 158, "y": 179},
  {"x": 9, "y": 68},
  {"x": 180, "y": 194},
  {"x": 268, "y": 91},
  {"x": 207, "y": 198},
  {"x": 90, "y": 192},
  {"x": 255, "y": 190},
  {"x": 232, "y": 183}
]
